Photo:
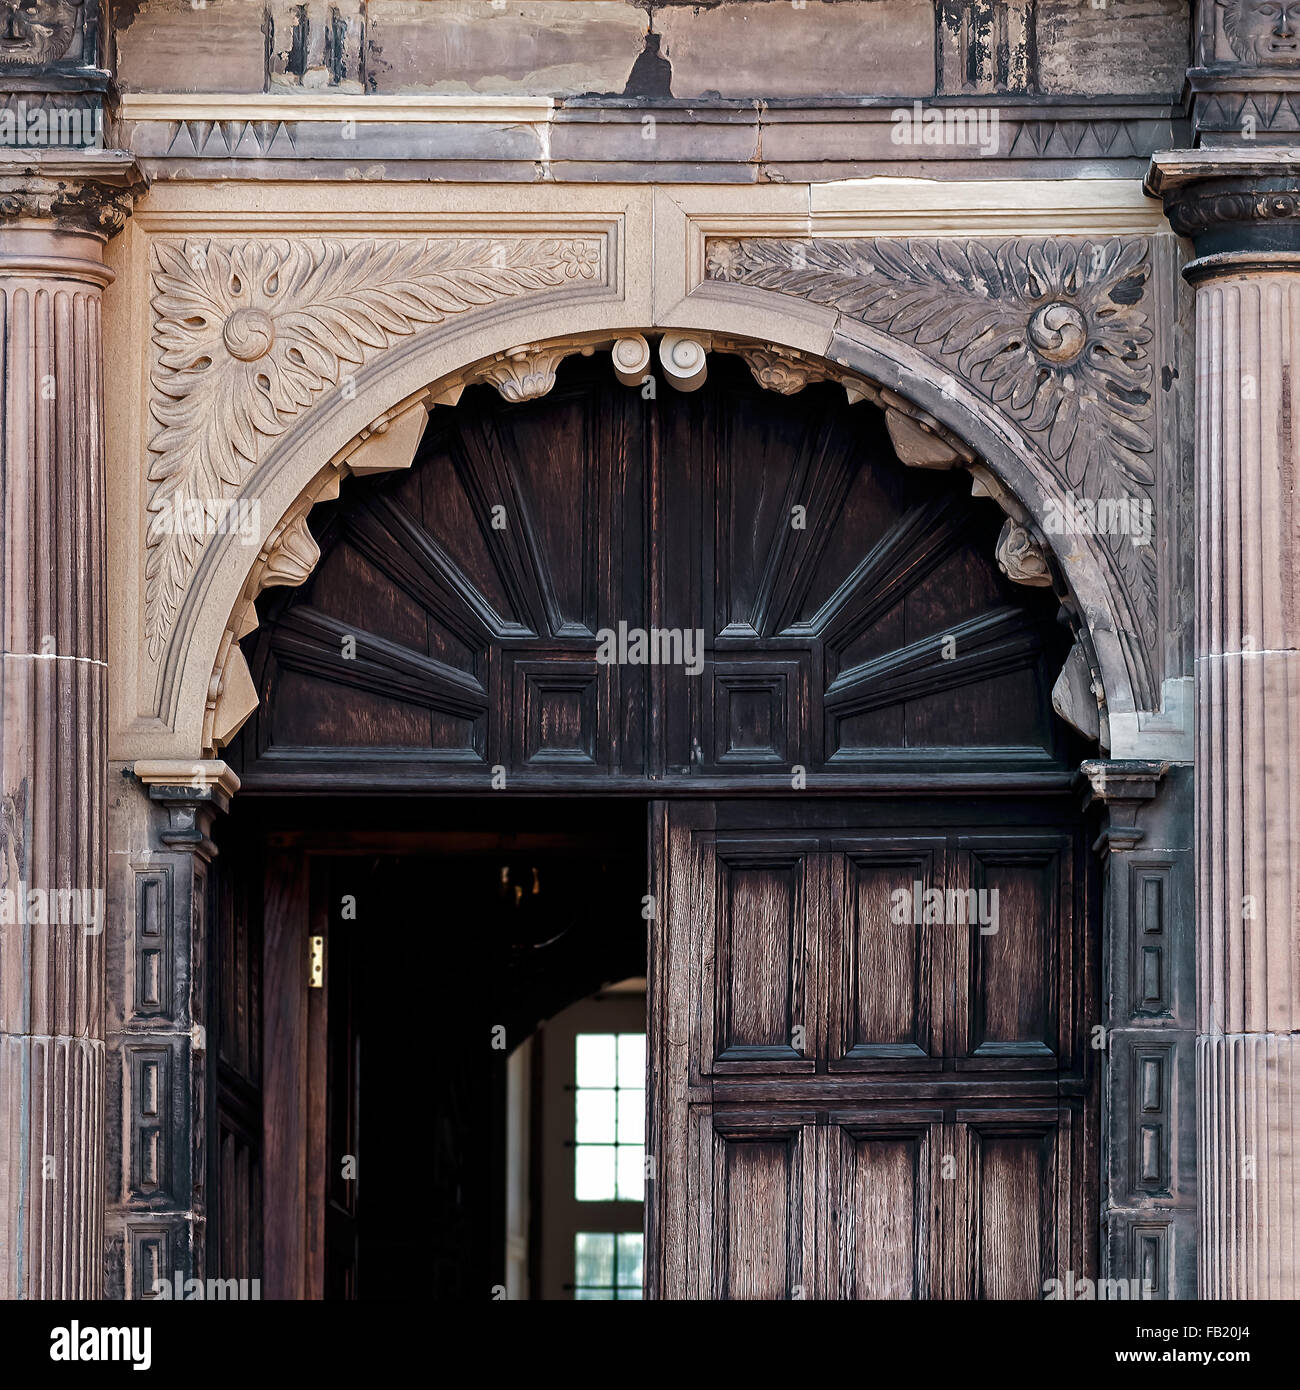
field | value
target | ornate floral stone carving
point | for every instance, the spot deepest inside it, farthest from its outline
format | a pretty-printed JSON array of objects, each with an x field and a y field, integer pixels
[
  {"x": 1051, "y": 332},
  {"x": 248, "y": 335},
  {"x": 524, "y": 373},
  {"x": 783, "y": 372}
]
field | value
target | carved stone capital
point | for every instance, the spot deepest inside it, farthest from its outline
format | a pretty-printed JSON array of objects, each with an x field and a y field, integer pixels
[
  {"x": 91, "y": 191},
  {"x": 192, "y": 794},
  {"x": 1240, "y": 204},
  {"x": 1122, "y": 786}
]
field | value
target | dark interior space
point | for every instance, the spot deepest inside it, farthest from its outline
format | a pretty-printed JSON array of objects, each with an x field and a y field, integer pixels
[{"x": 451, "y": 930}]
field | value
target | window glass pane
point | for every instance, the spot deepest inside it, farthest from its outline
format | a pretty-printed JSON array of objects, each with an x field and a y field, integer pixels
[
  {"x": 593, "y": 1172},
  {"x": 593, "y": 1258},
  {"x": 631, "y": 1117},
  {"x": 629, "y": 1263},
  {"x": 631, "y": 1060},
  {"x": 596, "y": 1117},
  {"x": 588, "y": 1294},
  {"x": 609, "y": 1110},
  {"x": 596, "y": 1064},
  {"x": 631, "y": 1174},
  {"x": 626, "y": 1294}
]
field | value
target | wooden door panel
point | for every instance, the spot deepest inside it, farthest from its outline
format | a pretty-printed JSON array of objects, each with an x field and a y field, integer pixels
[
  {"x": 882, "y": 1012},
  {"x": 1013, "y": 1202},
  {"x": 760, "y": 1177},
  {"x": 759, "y": 958},
  {"x": 942, "y": 1156},
  {"x": 1017, "y": 964},
  {"x": 234, "y": 1141},
  {"x": 881, "y": 1177}
]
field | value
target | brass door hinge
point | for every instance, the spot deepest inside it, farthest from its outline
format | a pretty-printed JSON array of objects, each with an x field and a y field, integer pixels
[{"x": 316, "y": 963}]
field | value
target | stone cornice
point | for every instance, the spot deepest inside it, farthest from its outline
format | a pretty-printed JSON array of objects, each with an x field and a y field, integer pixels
[
  {"x": 88, "y": 191},
  {"x": 199, "y": 777},
  {"x": 418, "y": 136}
]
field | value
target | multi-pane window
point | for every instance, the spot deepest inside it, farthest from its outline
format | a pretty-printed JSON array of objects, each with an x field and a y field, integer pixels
[
  {"x": 609, "y": 1133},
  {"x": 607, "y": 1265},
  {"x": 593, "y": 1147}
]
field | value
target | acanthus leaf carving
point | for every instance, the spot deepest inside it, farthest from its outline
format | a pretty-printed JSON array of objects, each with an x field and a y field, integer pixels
[
  {"x": 782, "y": 372},
  {"x": 292, "y": 556},
  {"x": 249, "y": 335},
  {"x": 1051, "y": 332},
  {"x": 524, "y": 373},
  {"x": 1020, "y": 557}
]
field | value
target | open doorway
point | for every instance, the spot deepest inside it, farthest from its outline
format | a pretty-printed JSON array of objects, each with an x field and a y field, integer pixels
[
  {"x": 575, "y": 1170},
  {"x": 409, "y": 978}
]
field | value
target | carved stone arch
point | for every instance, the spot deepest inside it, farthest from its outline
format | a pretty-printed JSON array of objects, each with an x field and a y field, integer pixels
[
  {"x": 457, "y": 626},
  {"x": 203, "y": 689}
]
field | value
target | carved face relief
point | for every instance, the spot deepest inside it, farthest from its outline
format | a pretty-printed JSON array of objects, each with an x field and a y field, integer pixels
[
  {"x": 35, "y": 32},
  {"x": 1263, "y": 31}
]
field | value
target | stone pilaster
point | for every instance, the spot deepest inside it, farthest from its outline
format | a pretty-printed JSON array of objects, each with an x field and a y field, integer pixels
[
  {"x": 55, "y": 215},
  {"x": 1148, "y": 998},
  {"x": 160, "y": 818},
  {"x": 1243, "y": 212}
]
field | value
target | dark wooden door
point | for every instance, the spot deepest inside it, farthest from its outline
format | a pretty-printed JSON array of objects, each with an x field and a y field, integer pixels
[
  {"x": 855, "y": 1100},
  {"x": 343, "y": 1032},
  {"x": 847, "y": 1107},
  {"x": 234, "y": 1059}
]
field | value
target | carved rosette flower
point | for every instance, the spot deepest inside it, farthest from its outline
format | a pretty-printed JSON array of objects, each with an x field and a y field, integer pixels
[
  {"x": 247, "y": 336},
  {"x": 1053, "y": 332}
]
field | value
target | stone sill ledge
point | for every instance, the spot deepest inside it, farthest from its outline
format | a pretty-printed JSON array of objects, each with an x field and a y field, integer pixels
[{"x": 422, "y": 108}]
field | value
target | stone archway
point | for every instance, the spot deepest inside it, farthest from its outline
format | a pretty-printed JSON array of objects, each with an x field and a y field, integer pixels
[
  {"x": 366, "y": 414},
  {"x": 469, "y": 659},
  {"x": 200, "y": 692}
]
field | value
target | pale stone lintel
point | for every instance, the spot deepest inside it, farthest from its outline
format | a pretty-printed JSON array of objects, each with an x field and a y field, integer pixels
[
  {"x": 198, "y": 773},
  {"x": 1167, "y": 733},
  {"x": 977, "y": 206},
  {"x": 335, "y": 107}
]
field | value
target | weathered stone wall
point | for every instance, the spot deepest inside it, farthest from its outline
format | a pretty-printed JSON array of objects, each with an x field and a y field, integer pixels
[{"x": 768, "y": 49}]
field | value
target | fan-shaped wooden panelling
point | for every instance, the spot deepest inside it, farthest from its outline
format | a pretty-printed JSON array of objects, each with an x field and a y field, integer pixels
[{"x": 452, "y": 624}]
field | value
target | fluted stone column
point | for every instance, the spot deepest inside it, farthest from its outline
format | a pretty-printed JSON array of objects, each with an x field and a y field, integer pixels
[
  {"x": 1241, "y": 212},
  {"x": 57, "y": 214}
]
